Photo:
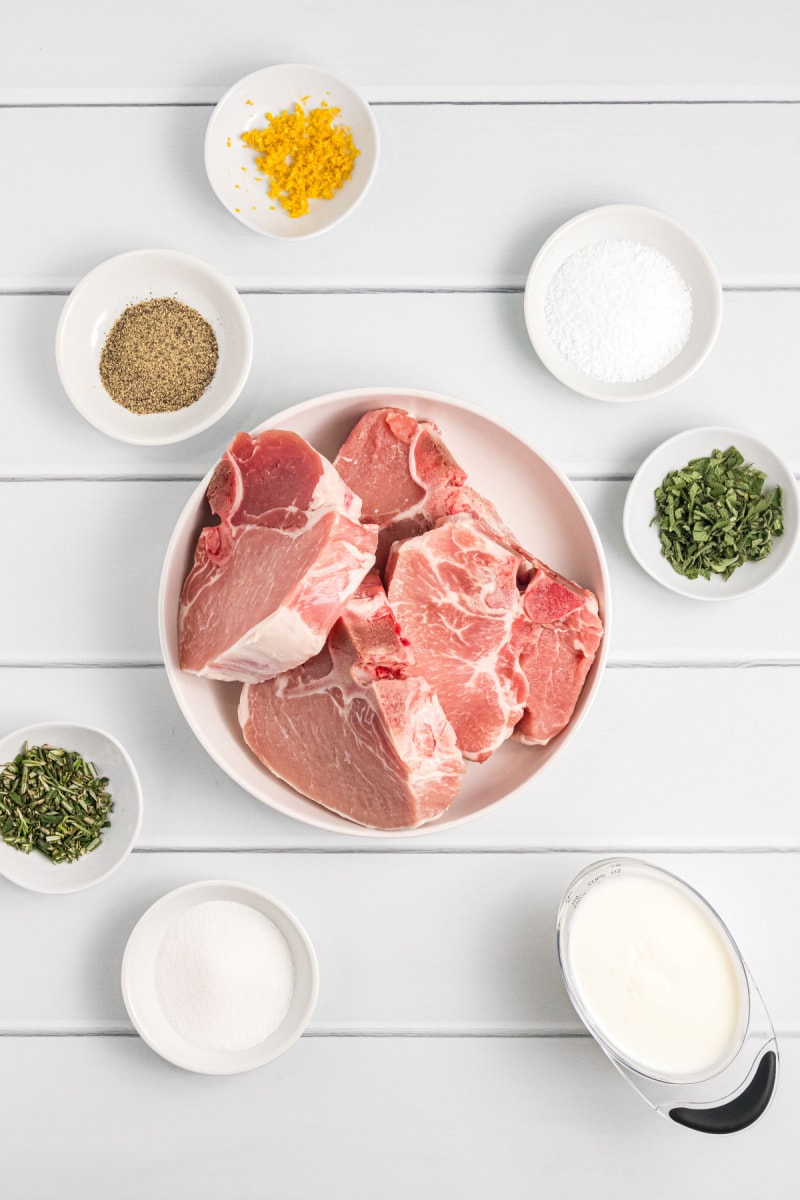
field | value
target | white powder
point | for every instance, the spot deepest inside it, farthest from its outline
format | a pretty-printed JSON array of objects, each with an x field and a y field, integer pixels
[
  {"x": 618, "y": 311},
  {"x": 224, "y": 975}
]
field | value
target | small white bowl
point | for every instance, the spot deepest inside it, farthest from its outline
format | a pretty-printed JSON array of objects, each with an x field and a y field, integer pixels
[
  {"x": 104, "y": 294},
  {"x": 640, "y": 508},
  {"x": 231, "y": 165},
  {"x": 139, "y": 985},
  {"x": 35, "y": 871},
  {"x": 614, "y": 222}
]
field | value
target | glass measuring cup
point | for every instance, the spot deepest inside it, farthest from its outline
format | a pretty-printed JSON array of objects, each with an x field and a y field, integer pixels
[{"x": 723, "y": 1098}]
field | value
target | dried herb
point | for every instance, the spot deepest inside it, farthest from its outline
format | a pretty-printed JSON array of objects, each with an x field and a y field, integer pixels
[
  {"x": 713, "y": 515},
  {"x": 54, "y": 801},
  {"x": 160, "y": 356}
]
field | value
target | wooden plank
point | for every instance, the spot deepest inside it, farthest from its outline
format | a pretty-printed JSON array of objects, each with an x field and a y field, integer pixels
[
  {"x": 92, "y": 555},
  {"x": 678, "y": 780},
  {"x": 620, "y": 48},
  {"x": 437, "y": 215},
  {"x": 308, "y": 345},
  {"x": 407, "y": 942},
  {"x": 103, "y": 611},
  {"x": 392, "y": 1117}
]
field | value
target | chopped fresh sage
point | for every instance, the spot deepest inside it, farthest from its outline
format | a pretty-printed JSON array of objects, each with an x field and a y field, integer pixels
[
  {"x": 713, "y": 515},
  {"x": 54, "y": 801}
]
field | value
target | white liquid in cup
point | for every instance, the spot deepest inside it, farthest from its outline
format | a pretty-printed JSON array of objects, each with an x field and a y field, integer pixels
[{"x": 657, "y": 976}]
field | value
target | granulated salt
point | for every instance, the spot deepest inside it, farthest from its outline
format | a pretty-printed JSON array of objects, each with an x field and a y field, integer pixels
[
  {"x": 224, "y": 976},
  {"x": 618, "y": 311}
]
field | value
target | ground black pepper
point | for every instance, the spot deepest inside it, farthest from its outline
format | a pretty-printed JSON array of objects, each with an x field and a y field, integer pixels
[{"x": 160, "y": 356}]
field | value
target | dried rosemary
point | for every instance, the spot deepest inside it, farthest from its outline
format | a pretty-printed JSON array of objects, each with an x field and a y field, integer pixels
[
  {"x": 54, "y": 801},
  {"x": 160, "y": 356},
  {"x": 713, "y": 517}
]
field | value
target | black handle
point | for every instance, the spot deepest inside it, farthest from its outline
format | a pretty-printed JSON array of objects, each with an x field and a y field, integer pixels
[{"x": 739, "y": 1113}]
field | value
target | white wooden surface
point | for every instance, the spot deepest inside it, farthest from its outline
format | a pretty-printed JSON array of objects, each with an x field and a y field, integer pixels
[{"x": 444, "y": 1058}]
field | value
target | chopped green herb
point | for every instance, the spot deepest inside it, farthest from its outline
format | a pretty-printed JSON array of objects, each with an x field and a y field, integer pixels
[
  {"x": 713, "y": 515},
  {"x": 52, "y": 800}
]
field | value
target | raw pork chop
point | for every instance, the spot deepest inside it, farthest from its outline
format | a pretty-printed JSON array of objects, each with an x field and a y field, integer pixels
[
  {"x": 454, "y": 590},
  {"x": 408, "y": 480},
  {"x": 270, "y": 580},
  {"x": 558, "y": 646},
  {"x": 402, "y": 471},
  {"x": 350, "y": 730}
]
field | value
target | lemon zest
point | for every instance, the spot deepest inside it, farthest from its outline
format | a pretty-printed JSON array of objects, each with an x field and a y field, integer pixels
[{"x": 305, "y": 155}]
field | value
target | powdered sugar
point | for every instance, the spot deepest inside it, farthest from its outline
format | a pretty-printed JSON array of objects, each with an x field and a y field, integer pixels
[
  {"x": 224, "y": 976},
  {"x": 618, "y": 311}
]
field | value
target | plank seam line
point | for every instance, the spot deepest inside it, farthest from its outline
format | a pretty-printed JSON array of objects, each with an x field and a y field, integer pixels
[
  {"x": 472, "y": 1034},
  {"x": 499, "y": 851},
  {"x": 467, "y": 289},
  {"x": 629, "y": 102},
  {"x": 365, "y": 1034},
  {"x": 332, "y": 290},
  {"x": 84, "y": 665},
  {"x": 124, "y": 478},
  {"x": 338, "y": 1035}
]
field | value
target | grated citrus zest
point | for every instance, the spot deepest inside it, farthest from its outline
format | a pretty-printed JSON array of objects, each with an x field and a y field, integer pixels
[{"x": 304, "y": 154}]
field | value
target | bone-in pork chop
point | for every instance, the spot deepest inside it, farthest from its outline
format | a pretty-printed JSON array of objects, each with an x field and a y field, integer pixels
[
  {"x": 558, "y": 645},
  {"x": 454, "y": 590},
  {"x": 351, "y": 730},
  {"x": 269, "y": 581},
  {"x": 410, "y": 482}
]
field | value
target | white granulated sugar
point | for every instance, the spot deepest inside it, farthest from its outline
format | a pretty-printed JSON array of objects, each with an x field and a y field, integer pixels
[
  {"x": 618, "y": 311},
  {"x": 224, "y": 976}
]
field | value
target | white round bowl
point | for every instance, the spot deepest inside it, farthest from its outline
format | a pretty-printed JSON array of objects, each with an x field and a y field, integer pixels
[
  {"x": 532, "y": 495},
  {"x": 139, "y": 986},
  {"x": 35, "y": 871},
  {"x": 640, "y": 508},
  {"x": 100, "y": 299},
  {"x": 231, "y": 165},
  {"x": 613, "y": 222}
]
